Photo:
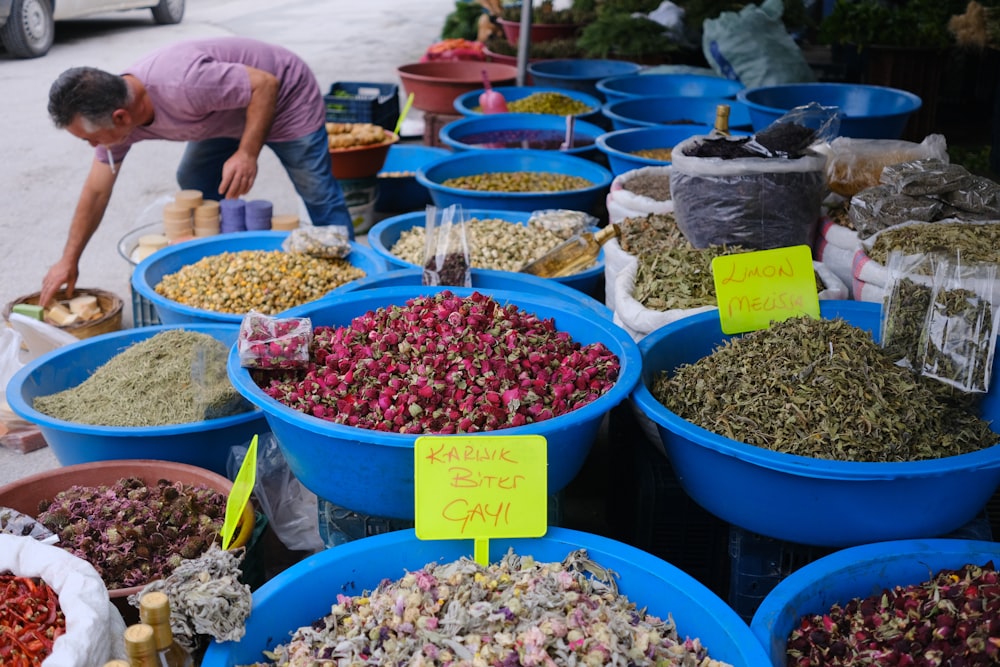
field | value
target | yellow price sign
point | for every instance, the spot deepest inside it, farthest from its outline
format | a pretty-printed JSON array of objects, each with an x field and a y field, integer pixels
[
  {"x": 480, "y": 487},
  {"x": 239, "y": 495},
  {"x": 753, "y": 289}
]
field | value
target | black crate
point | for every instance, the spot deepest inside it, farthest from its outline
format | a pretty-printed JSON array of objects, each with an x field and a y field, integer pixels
[
  {"x": 357, "y": 102},
  {"x": 759, "y": 563},
  {"x": 650, "y": 510}
]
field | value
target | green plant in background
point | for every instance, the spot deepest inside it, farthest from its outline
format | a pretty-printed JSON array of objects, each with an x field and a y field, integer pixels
[
  {"x": 626, "y": 36},
  {"x": 581, "y": 11},
  {"x": 913, "y": 23},
  {"x": 463, "y": 22}
]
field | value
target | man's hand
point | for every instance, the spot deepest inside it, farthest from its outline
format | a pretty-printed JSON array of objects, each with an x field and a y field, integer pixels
[
  {"x": 238, "y": 175},
  {"x": 63, "y": 272}
]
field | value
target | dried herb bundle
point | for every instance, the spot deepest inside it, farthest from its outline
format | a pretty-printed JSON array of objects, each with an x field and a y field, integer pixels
[
  {"x": 975, "y": 242},
  {"x": 822, "y": 389},
  {"x": 173, "y": 377},
  {"x": 950, "y": 619}
]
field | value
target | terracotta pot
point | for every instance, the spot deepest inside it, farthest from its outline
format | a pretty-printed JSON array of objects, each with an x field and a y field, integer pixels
[
  {"x": 436, "y": 84},
  {"x": 540, "y": 32},
  {"x": 360, "y": 161},
  {"x": 25, "y": 494}
]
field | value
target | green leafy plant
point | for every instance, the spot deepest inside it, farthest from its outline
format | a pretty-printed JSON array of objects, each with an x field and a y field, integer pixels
[
  {"x": 917, "y": 23},
  {"x": 625, "y": 36},
  {"x": 580, "y": 12}
]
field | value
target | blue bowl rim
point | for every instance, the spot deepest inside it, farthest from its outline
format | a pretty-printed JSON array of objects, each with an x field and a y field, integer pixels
[
  {"x": 556, "y": 288},
  {"x": 598, "y": 175},
  {"x": 610, "y": 109},
  {"x": 629, "y": 360},
  {"x": 462, "y": 106},
  {"x": 875, "y": 556},
  {"x": 29, "y": 413},
  {"x": 432, "y": 152},
  {"x": 541, "y": 67},
  {"x": 375, "y": 240},
  {"x": 580, "y": 127},
  {"x": 142, "y": 286},
  {"x": 397, "y": 541},
  {"x": 606, "y": 85},
  {"x": 611, "y": 151},
  {"x": 915, "y": 101},
  {"x": 794, "y": 464}
]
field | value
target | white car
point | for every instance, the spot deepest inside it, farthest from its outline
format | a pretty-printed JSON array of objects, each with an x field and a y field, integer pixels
[{"x": 27, "y": 27}]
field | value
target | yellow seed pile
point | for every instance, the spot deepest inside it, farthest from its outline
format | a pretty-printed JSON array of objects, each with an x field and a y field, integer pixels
[
  {"x": 268, "y": 281},
  {"x": 519, "y": 181}
]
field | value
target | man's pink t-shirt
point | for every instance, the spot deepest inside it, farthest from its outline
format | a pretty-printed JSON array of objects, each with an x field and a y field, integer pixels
[{"x": 200, "y": 90}]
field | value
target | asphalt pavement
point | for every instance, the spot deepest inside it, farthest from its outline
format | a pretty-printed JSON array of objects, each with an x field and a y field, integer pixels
[{"x": 42, "y": 168}]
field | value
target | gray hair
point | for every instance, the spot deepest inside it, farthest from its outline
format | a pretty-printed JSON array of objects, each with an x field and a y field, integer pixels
[{"x": 87, "y": 92}]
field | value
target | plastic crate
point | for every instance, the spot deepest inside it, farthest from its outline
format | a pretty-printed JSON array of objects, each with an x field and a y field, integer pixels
[
  {"x": 143, "y": 311},
  {"x": 357, "y": 102},
  {"x": 758, "y": 563},
  {"x": 652, "y": 511}
]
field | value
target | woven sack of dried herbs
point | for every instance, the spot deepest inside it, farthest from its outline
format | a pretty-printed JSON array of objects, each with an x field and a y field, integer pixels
[
  {"x": 977, "y": 241},
  {"x": 834, "y": 248},
  {"x": 726, "y": 193},
  {"x": 93, "y": 626},
  {"x": 639, "y": 192}
]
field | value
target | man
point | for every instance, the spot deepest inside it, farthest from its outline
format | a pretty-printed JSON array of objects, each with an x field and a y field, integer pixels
[{"x": 227, "y": 97}]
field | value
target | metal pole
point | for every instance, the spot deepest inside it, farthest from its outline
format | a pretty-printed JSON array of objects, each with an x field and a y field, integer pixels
[{"x": 524, "y": 42}]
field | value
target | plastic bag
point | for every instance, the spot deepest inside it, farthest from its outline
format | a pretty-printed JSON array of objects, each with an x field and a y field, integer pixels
[
  {"x": 270, "y": 343},
  {"x": 20, "y": 524},
  {"x": 929, "y": 176},
  {"x": 905, "y": 303},
  {"x": 797, "y": 131},
  {"x": 329, "y": 242},
  {"x": 754, "y": 202},
  {"x": 291, "y": 509},
  {"x": 980, "y": 195},
  {"x": 878, "y": 208},
  {"x": 446, "y": 248},
  {"x": 960, "y": 335},
  {"x": 753, "y": 47},
  {"x": 563, "y": 223},
  {"x": 856, "y": 164}
]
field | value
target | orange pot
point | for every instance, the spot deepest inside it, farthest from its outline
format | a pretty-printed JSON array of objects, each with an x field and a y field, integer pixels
[
  {"x": 360, "y": 161},
  {"x": 436, "y": 84}
]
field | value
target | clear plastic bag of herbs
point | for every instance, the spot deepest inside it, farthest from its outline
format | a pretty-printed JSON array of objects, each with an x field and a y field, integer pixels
[
  {"x": 905, "y": 304},
  {"x": 959, "y": 337},
  {"x": 446, "y": 248}
]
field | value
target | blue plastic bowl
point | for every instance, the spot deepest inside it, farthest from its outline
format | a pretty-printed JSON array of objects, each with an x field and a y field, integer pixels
[
  {"x": 869, "y": 112},
  {"x": 618, "y": 146},
  {"x": 150, "y": 271},
  {"x": 579, "y": 73},
  {"x": 471, "y": 162},
  {"x": 304, "y": 592},
  {"x": 801, "y": 499},
  {"x": 400, "y": 193},
  {"x": 482, "y": 279},
  {"x": 663, "y": 110},
  {"x": 857, "y": 572},
  {"x": 371, "y": 472},
  {"x": 507, "y": 130},
  {"x": 678, "y": 85},
  {"x": 205, "y": 444},
  {"x": 385, "y": 234},
  {"x": 467, "y": 104}
]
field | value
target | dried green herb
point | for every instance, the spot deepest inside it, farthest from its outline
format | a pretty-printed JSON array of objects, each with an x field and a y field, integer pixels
[
  {"x": 652, "y": 233},
  {"x": 822, "y": 389},
  {"x": 678, "y": 277},
  {"x": 905, "y": 315},
  {"x": 977, "y": 243},
  {"x": 173, "y": 377},
  {"x": 958, "y": 346}
]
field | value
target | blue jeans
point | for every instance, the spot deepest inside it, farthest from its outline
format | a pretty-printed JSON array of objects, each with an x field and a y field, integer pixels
[{"x": 307, "y": 161}]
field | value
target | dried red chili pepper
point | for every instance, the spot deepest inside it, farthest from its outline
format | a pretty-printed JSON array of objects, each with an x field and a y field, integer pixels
[{"x": 30, "y": 620}]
